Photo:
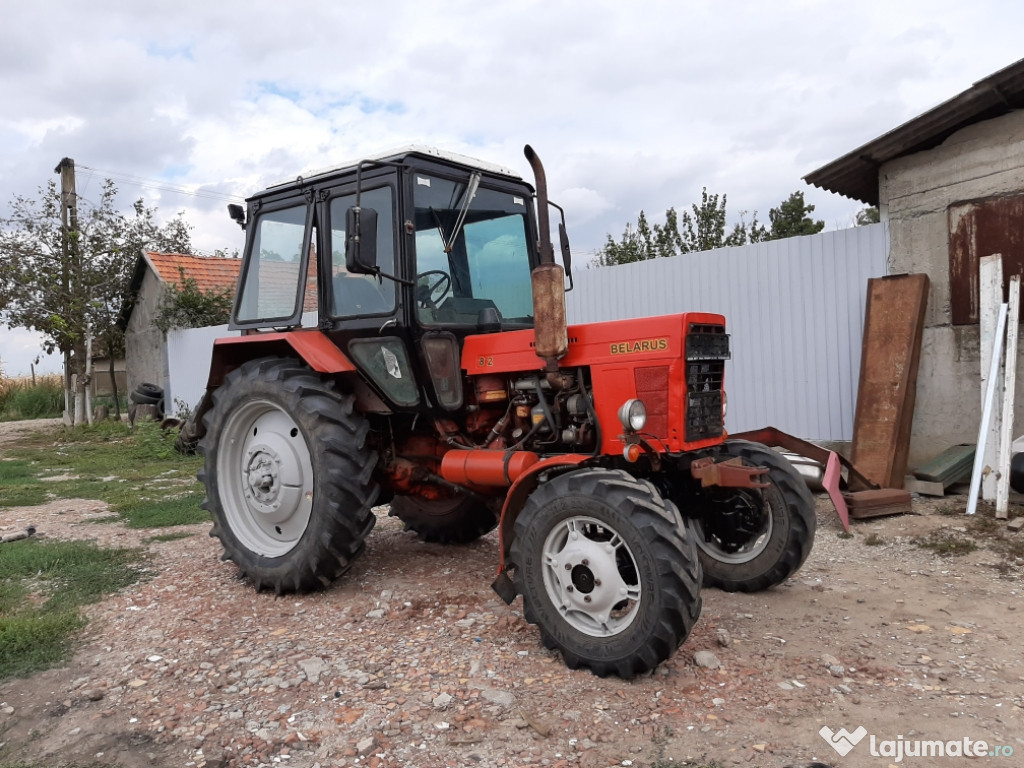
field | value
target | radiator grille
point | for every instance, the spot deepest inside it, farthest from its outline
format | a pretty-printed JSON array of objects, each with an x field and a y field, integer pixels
[{"x": 707, "y": 349}]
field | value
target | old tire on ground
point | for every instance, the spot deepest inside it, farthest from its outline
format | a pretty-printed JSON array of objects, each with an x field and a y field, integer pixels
[
  {"x": 753, "y": 539},
  {"x": 288, "y": 476},
  {"x": 456, "y": 520},
  {"x": 607, "y": 570}
]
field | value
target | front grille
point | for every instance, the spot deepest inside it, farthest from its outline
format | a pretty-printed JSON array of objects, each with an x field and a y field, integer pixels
[{"x": 707, "y": 349}]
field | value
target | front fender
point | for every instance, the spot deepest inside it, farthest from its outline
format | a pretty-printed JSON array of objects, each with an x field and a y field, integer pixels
[{"x": 520, "y": 490}]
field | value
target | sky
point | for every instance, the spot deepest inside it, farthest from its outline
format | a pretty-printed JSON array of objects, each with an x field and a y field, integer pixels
[{"x": 631, "y": 106}]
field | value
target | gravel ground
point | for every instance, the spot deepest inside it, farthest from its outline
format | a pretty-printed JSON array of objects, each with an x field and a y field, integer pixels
[{"x": 411, "y": 660}]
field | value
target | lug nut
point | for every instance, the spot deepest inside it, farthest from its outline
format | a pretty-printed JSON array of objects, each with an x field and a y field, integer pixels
[
  {"x": 586, "y": 599},
  {"x": 569, "y": 588},
  {"x": 597, "y": 582},
  {"x": 568, "y": 566},
  {"x": 585, "y": 561}
]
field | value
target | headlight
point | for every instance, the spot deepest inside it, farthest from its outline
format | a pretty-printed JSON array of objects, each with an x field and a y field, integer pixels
[{"x": 633, "y": 415}]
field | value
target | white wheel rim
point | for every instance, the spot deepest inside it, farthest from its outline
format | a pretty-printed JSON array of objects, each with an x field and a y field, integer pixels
[
  {"x": 265, "y": 478},
  {"x": 591, "y": 576}
]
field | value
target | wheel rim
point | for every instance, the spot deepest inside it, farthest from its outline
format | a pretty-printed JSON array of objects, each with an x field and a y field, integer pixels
[
  {"x": 712, "y": 545},
  {"x": 267, "y": 486},
  {"x": 591, "y": 577}
]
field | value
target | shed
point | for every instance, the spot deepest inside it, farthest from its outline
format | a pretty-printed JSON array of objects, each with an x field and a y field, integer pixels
[
  {"x": 949, "y": 185},
  {"x": 145, "y": 345}
]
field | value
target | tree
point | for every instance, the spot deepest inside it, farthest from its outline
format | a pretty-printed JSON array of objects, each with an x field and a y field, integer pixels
[
  {"x": 793, "y": 218},
  {"x": 69, "y": 283},
  {"x": 702, "y": 228},
  {"x": 188, "y": 306},
  {"x": 867, "y": 216}
]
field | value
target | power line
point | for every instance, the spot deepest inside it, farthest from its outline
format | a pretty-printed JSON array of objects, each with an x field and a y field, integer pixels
[{"x": 162, "y": 186}]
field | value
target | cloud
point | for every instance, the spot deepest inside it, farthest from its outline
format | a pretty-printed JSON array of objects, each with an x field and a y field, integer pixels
[{"x": 631, "y": 106}]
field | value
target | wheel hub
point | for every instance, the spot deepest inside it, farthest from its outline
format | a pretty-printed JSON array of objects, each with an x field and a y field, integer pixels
[
  {"x": 585, "y": 580},
  {"x": 262, "y": 476}
]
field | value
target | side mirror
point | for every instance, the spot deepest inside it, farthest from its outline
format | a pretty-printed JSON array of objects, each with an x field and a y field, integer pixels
[
  {"x": 361, "y": 241},
  {"x": 237, "y": 214},
  {"x": 563, "y": 243}
]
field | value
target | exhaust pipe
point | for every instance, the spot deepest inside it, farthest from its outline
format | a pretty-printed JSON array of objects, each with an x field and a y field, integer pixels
[{"x": 549, "y": 324}]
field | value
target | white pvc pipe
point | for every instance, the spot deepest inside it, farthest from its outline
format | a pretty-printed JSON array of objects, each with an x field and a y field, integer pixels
[{"x": 986, "y": 413}]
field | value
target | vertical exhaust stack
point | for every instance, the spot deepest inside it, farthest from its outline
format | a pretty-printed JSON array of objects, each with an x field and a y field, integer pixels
[{"x": 549, "y": 324}]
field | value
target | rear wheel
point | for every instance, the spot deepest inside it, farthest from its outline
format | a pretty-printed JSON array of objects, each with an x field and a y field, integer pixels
[
  {"x": 607, "y": 571},
  {"x": 288, "y": 476},
  {"x": 456, "y": 520},
  {"x": 751, "y": 539}
]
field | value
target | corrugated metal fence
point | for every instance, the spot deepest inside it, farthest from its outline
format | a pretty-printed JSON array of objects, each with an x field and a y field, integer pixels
[{"x": 794, "y": 309}]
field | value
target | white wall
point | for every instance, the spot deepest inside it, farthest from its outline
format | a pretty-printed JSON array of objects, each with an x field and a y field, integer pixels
[
  {"x": 794, "y": 309},
  {"x": 188, "y": 356}
]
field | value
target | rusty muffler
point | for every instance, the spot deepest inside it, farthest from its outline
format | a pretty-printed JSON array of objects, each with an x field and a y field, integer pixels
[{"x": 549, "y": 323}]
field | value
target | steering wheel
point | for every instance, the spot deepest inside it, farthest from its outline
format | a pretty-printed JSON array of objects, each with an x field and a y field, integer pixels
[{"x": 425, "y": 293}]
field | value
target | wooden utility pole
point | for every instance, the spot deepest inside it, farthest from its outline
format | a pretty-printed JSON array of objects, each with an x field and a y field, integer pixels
[{"x": 69, "y": 225}]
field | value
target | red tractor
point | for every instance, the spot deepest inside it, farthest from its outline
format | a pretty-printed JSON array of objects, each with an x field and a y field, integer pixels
[{"x": 404, "y": 342}]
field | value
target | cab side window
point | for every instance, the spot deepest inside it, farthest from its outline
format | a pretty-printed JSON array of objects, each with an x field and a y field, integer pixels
[{"x": 353, "y": 294}]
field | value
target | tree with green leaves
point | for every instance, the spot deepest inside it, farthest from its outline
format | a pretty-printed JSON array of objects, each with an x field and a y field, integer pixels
[
  {"x": 793, "y": 218},
  {"x": 69, "y": 283},
  {"x": 867, "y": 216},
  {"x": 186, "y": 305},
  {"x": 704, "y": 228}
]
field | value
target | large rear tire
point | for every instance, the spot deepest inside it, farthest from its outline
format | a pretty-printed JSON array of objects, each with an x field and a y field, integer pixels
[
  {"x": 752, "y": 539},
  {"x": 607, "y": 570},
  {"x": 289, "y": 479},
  {"x": 456, "y": 520}
]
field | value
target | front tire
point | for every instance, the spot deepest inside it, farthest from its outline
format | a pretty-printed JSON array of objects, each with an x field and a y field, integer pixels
[
  {"x": 607, "y": 571},
  {"x": 459, "y": 519},
  {"x": 751, "y": 539},
  {"x": 289, "y": 480}
]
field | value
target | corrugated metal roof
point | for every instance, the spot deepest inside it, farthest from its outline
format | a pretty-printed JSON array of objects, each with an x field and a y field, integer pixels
[{"x": 855, "y": 174}]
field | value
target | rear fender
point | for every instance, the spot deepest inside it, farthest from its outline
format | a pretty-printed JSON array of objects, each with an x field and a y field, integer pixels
[{"x": 310, "y": 346}]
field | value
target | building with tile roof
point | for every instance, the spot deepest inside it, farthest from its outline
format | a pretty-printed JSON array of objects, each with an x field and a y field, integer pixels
[{"x": 145, "y": 345}]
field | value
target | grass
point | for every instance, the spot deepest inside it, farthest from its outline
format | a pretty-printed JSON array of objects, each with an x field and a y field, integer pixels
[
  {"x": 43, "y": 585},
  {"x": 21, "y": 399},
  {"x": 137, "y": 472},
  {"x": 873, "y": 540}
]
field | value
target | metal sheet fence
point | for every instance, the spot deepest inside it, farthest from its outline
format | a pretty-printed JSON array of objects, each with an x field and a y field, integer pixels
[{"x": 794, "y": 309}]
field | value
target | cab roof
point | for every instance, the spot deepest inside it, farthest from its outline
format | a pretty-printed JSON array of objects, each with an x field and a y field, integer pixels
[{"x": 398, "y": 154}]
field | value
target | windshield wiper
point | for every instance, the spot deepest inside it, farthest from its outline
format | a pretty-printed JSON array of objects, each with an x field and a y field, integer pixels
[{"x": 467, "y": 199}]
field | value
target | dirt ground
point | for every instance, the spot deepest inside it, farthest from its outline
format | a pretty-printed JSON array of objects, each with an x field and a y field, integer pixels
[{"x": 411, "y": 660}]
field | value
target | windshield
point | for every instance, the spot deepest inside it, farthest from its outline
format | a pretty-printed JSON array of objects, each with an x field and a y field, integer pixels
[{"x": 472, "y": 259}]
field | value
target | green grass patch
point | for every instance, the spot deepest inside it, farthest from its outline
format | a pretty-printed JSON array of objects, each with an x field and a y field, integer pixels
[
  {"x": 43, "y": 584},
  {"x": 167, "y": 537},
  {"x": 157, "y": 512},
  {"x": 20, "y": 399},
  {"x": 137, "y": 472}
]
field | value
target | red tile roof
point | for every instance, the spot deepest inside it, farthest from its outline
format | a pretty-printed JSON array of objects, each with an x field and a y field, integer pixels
[{"x": 211, "y": 273}]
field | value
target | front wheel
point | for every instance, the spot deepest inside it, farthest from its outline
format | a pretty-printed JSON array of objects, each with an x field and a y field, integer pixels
[
  {"x": 751, "y": 539},
  {"x": 607, "y": 570}
]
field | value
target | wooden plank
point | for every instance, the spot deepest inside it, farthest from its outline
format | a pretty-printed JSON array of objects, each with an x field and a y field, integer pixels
[
  {"x": 990, "y": 271},
  {"x": 923, "y": 487},
  {"x": 886, "y": 501},
  {"x": 893, "y": 326},
  {"x": 1009, "y": 392},
  {"x": 951, "y": 466}
]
